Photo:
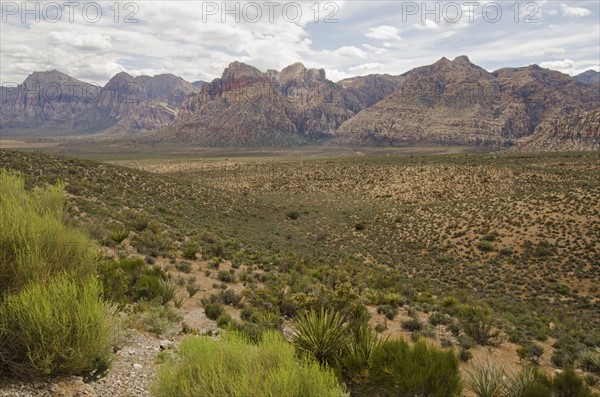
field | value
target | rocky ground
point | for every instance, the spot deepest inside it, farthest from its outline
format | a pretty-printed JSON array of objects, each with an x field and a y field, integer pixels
[{"x": 129, "y": 376}]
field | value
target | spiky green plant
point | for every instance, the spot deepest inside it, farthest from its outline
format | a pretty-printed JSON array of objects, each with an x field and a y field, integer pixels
[
  {"x": 516, "y": 383},
  {"x": 355, "y": 360},
  {"x": 166, "y": 289},
  {"x": 320, "y": 334},
  {"x": 486, "y": 381}
]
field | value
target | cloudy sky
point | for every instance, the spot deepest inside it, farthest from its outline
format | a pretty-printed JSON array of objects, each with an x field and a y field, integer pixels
[{"x": 93, "y": 41}]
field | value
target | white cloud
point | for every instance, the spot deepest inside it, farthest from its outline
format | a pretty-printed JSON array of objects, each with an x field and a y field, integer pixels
[
  {"x": 569, "y": 11},
  {"x": 367, "y": 67},
  {"x": 376, "y": 50},
  {"x": 86, "y": 42},
  {"x": 384, "y": 32},
  {"x": 565, "y": 64},
  {"x": 350, "y": 52}
]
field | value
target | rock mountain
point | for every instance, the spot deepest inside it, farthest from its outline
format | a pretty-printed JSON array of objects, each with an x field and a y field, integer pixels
[
  {"x": 52, "y": 101},
  {"x": 448, "y": 102},
  {"x": 457, "y": 102}
]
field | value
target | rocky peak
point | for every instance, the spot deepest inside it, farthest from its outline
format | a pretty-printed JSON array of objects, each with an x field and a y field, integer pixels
[
  {"x": 298, "y": 74},
  {"x": 237, "y": 70}
]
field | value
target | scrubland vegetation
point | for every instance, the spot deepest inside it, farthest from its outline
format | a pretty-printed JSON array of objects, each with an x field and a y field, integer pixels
[{"x": 386, "y": 275}]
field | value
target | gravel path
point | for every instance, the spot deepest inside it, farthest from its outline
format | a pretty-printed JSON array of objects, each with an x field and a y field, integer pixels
[{"x": 129, "y": 376}]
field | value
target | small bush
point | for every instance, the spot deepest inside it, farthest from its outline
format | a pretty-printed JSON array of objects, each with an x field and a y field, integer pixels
[
  {"x": 230, "y": 297},
  {"x": 531, "y": 352},
  {"x": 57, "y": 328},
  {"x": 388, "y": 311},
  {"x": 293, "y": 215},
  {"x": 485, "y": 246},
  {"x": 477, "y": 322},
  {"x": 192, "y": 289},
  {"x": 224, "y": 320},
  {"x": 184, "y": 267},
  {"x": 568, "y": 384},
  {"x": 465, "y": 355},
  {"x": 189, "y": 250},
  {"x": 154, "y": 318},
  {"x": 213, "y": 310},
  {"x": 234, "y": 367},
  {"x": 226, "y": 277},
  {"x": 412, "y": 325}
]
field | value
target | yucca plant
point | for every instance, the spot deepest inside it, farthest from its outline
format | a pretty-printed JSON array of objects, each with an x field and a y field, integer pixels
[
  {"x": 166, "y": 289},
  {"x": 118, "y": 234},
  {"x": 355, "y": 360},
  {"x": 516, "y": 383},
  {"x": 320, "y": 334},
  {"x": 486, "y": 381}
]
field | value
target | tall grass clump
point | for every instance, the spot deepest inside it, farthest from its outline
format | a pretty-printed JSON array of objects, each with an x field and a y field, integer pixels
[
  {"x": 35, "y": 242},
  {"x": 234, "y": 367},
  {"x": 60, "y": 327}
]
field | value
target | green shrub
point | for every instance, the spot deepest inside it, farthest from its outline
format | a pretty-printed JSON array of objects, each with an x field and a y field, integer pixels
[
  {"x": 189, "y": 250},
  {"x": 119, "y": 277},
  {"x": 412, "y": 325},
  {"x": 531, "y": 352},
  {"x": 192, "y": 289},
  {"x": 224, "y": 320},
  {"x": 485, "y": 246},
  {"x": 213, "y": 310},
  {"x": 465, "y": 355},
  {"x": 293, "y": 215},
  {"x": 320, "y": 334},
  {"x": 57, "y": 328},
  {"x": 151, "y": 242},
  {"x": 35, "y": 242},
  {"x": 226, "y": 277},
  {"x": 568, "y": 384},
  {"x": 388, "y": 311},
  {"x": 396, "y": 369},
  {"x": 152, "y": 317},
  {"x": 230, "y": 297},
  {"x": 477, "y": 322},
  {"x": 234, "y": 367},
  {"x": 184, "y": 267}
]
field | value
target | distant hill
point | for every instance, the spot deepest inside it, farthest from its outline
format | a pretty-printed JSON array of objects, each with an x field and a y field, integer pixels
[{"x": 589, "y": 77}]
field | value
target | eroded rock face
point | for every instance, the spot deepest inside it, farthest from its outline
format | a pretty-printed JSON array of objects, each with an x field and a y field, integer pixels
[
  {"x": 372, "y": 88},
  {"x": 56, "y": 102},
  {"x": 579, "y": 131},
  {"x": 45, "y": 99},
  {"x": 457, "y": 102},
  {"x": 248, "y": 107}
]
